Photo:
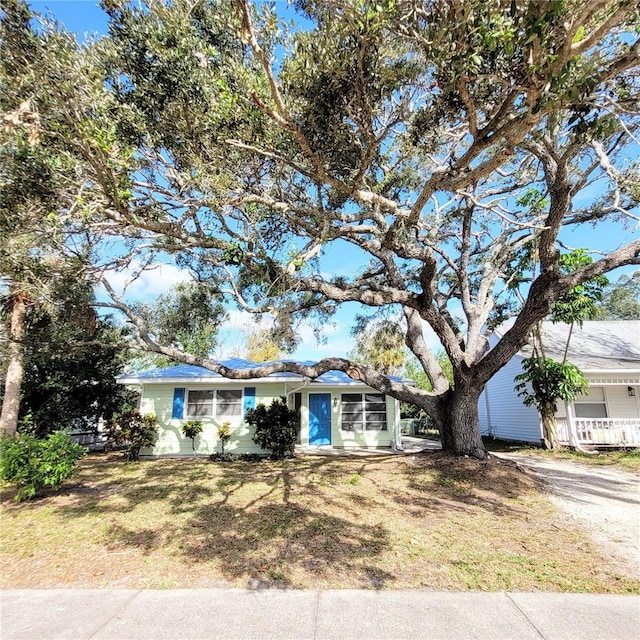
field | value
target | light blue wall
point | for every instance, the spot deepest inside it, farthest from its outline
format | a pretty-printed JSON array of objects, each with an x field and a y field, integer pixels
[{"x": 158, "y": 399}]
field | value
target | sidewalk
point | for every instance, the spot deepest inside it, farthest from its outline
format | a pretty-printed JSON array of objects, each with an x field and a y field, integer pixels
[{"x": 120, "y": 614}]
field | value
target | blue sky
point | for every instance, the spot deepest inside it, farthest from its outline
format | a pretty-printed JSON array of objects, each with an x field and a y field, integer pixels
[
  {"x": 77, "y": 15},
  {"x": 85, "y": 16}
]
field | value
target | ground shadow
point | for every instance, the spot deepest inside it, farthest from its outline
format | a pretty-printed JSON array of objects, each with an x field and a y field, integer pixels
[
  {"x": 290, "y": 524},
  {"x": 448, "y": 482}
]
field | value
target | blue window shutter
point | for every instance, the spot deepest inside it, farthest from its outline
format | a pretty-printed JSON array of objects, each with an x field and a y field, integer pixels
[
  {"x": 178, "y": 403},
  {"x": 249, "y": 398}
]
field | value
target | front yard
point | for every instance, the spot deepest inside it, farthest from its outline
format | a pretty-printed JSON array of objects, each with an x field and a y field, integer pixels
[{"x": 379, "y": 522}]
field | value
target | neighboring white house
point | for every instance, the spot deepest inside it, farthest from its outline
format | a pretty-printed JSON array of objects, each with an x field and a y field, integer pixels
[
  {"x": 608, "y": 354},
  {"x": 334, "y": 410}
]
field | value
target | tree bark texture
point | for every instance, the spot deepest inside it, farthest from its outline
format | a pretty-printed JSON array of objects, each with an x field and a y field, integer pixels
[
  {"x": 459, "y": 423},
  {"x": 550, "y": 432},
  {"x": 15, "y": 368}
]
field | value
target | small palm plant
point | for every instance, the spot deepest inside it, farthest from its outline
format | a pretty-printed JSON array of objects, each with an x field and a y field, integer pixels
[{"x": 191, "y": 429}]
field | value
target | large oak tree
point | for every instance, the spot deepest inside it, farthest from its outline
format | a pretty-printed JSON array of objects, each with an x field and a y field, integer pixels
[
  {"x": 447, "y": 145},
  {"x": 444, "y": 146}
]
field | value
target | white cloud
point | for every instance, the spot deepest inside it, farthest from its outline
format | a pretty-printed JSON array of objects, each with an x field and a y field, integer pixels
[
  {"x": 245, "y": 321},
  {"x": 147, "y": 284},
  {"x": 338, "y": 342}
]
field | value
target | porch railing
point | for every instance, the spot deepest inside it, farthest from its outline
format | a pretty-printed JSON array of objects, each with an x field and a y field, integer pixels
[{"x": 620, "y": 432}]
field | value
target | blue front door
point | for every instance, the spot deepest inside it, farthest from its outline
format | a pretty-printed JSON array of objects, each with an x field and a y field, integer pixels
[{"x": 319, "y": 418}]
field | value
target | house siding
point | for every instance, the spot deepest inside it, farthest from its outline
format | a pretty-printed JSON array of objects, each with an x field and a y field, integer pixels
[
  {"x": 347, "y": 439},
  {"x": 607, "y": 353},
  {"x": 362, "y": 439},
  {"x": 508, "y": 418},
  {"x": 158, "y": 399},
  {"x": 619, "y": 403}
]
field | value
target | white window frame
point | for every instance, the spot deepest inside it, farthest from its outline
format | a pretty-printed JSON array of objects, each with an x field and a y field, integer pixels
[
  {"x": 188, "y": 403},
  {"x": 240, "y": 403},
  {"x": 214, "y": 404},
  {"x": 364, "y": 413},
  {"x": 585, "y": 400}
]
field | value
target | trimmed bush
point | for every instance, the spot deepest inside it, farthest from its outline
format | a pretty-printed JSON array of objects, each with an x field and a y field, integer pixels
[
  {"x": 275, "y": 428},
  {"x": 224, "y": 435},
  {"x": 33, "y": 464},
  {"x": 133, "y": 430}
]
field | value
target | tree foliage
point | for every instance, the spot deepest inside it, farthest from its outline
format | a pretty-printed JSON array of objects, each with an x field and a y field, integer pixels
[
  {"x": 550, "y": 381},
  {"x": 580, "y": 303},
  {"x": 33, "y": 464},
  {"x": 224, "y": 435},
  {"x": 50, "y": 153},
  {"x": 438, "y": 142},
  {"x": 621, "y": 299},
  {"x": 379, "y": 344},
  {"x": 192, "y": 429},
  {"x": 187, "y": 318},
  {"x": 542, "y": 383},
  {"x": 259, "y": 346},
  {"x": 71, "y": 360}
]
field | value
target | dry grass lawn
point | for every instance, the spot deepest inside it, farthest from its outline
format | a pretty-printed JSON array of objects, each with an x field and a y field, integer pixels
[{"x": 378, "y": 522}]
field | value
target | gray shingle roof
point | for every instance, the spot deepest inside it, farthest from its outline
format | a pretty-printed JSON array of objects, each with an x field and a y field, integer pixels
[{"x": 596, "y": 346}]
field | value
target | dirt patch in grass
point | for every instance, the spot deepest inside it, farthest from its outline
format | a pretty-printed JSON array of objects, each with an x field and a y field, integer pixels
[{"x": 396, "y": 522}]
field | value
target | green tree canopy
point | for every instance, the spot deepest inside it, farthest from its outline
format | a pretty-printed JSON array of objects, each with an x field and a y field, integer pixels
[
  {"x": 379, "y": 344},
  {"x": 433, "y": 140},
  {"x": 187, "y": 318},
  {"x": 621, "y": 299},
  {"x": 71, "y": 360},
  {"x": 49, "y": 156}
]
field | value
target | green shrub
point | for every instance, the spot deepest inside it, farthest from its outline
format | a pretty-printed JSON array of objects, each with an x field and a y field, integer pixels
[
  {"x": 191, "y": 429},
  {"x": 32, "y": 464},
  {"x": 223, "y": 457},
  {"x": 133, "y": 430},
  {"x": 275, "y": 428}
]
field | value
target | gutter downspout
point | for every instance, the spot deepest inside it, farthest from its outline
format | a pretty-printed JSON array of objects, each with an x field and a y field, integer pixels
[
  {"x": 288, "y": 394},
  {"x": 304, "y": 384}
]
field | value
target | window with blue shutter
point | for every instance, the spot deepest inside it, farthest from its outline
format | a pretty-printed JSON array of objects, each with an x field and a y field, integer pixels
[
  {"x": 178, "y": 403},
  {"x": 249, "y": 398}
]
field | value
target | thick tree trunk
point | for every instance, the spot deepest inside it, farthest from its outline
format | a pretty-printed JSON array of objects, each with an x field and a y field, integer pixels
[
  {"x": 15, "y": 368},
  {"x": 459, "y": 423}
]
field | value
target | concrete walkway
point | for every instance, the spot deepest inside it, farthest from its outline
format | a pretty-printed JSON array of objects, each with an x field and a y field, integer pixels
[
  {"x": 101, "y": 614},
  {"x": 410, "y": 444}
]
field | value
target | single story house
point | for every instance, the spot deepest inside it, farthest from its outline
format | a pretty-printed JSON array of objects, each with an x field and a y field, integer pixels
[
  {"x": 334, "y": 410},
  {"x": 608, "y": 354}
]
